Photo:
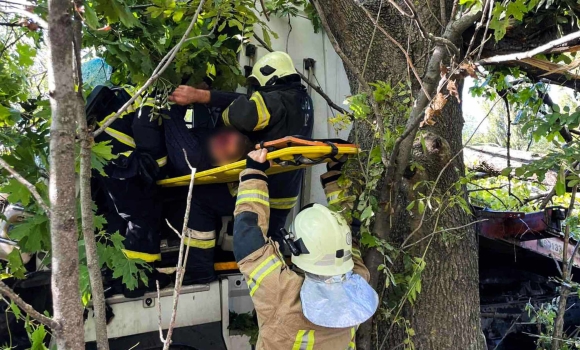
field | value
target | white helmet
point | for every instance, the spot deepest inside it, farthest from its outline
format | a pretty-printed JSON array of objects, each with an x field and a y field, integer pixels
[
  {"x": 324, "y": 241},
  {"x": 271, "y": 67}
]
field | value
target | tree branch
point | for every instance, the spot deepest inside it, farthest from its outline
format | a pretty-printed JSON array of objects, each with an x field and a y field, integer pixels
[
  {"x": 86, "y": 202},
  {"x": 29, "y": 186},
  {"x": 531, "y": 53},
  {"x": 34, "y": 17},
  {"x": 161, "y": 67},
  {"x": 182, "y": 259},
  {"x": 9, "y": 293},
  {"x": 314, "y": 87}
]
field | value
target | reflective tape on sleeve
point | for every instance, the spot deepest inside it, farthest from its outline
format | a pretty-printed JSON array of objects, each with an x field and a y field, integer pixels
[
  {"x": 263, "y": 113},
  {"x": 255, "y": 196},
  {"x": 259, "y": 273},
  {"x": 283, "y": 203}
]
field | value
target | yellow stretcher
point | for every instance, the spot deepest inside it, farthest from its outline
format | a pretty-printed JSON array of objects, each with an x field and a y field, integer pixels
[{"x": 288, "y": 154}]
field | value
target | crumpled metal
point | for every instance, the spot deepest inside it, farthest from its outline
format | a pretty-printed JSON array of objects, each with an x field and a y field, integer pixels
[{"x": 338, "y": 301}]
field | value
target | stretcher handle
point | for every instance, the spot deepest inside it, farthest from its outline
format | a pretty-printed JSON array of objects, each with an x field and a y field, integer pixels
[{"x": 302, "y": 160}]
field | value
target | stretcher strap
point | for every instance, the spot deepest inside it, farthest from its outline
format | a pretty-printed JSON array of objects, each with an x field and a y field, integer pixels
[{"x": 299, "y": 159}]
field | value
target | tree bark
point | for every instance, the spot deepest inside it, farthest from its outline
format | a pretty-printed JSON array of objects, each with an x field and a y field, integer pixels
[
  {"x": 446, "y": 314},
  {"x": 86, "y": 201},
  {"x": 64, "y": 236}
]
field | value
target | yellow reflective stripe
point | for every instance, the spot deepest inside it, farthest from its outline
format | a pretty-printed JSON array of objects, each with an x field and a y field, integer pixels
[
  {"x": 126, "y": 154},
  {"x": 260, "y": 272},
  {"x": 257, "y": 196},
  {"x": 226, "y": 116},
  {"x": 254, "y": 200},
  {"x": 265, "y": 194},
  {"x": 131, "y": 254},
  {"x": 298, "y": 340},
  {"x": 162, "y": 161},
  {"x": 332, "y": 197},
  {"x": 199, "y": 243},
  {"x": 263, "y": 113},
  {"x": 356, "y": 252},
  {"x": 304, "y": 340},
  {"x": 283, "y": 203}
]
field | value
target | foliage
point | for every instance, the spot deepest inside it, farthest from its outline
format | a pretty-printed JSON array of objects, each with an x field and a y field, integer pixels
[
  {"x": 246, "y": 324},
  {"x": 293, "y": 8}
]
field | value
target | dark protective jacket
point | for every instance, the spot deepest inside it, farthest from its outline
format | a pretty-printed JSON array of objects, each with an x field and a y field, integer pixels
[
  {"x": 274, "y": 287},
  {"x": 271, "y": 113},
  {"x": 127, "y": 195}
]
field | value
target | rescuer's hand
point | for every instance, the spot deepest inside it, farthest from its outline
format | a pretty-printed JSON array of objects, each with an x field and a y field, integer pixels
[
  {"x": 257, "y": 160},
  {"x": 185, "y": 95}
]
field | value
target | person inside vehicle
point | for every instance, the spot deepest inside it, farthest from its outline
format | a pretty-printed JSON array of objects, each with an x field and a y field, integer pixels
[
  {"x": 280, "y": 107},
  {"x": 320, "y": 309},
  {"x": 205, "y": 149}
]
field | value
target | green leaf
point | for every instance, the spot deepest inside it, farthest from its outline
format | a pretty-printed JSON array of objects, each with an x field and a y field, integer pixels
[
  {"x": 101, "y": 154},
  {"x": 33, "y": 235},
  {"x": 516, "y": 9},
  {"x": 177, "y": 16},
  {"x": 15, "y": 309},
  {"x": 37, "y": 338},
  {"x": 16, "y": 265},
  {"x": 561, "y": 183},
  {"x": 26, "y": 54},
  {"x": 369, "y": 240},
  {"x": 4, "y": 112},
  {"x": 499, "y": 22},
  {"x": 266, "y": 37},
  {"x": 91, "y": 17},
  {"x": 18, "y": 193},
  {"x": 367, "y": 213}
]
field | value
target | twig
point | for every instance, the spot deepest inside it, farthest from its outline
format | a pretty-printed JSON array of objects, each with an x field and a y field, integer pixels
[
  {"x": 265, "y": 10},
  {"x": 31, "y": 188},
  {"x": 478, "y": 27},
  {"x": 315, "y": 87},
  {"x": 181, "y": 259},
  {"x": 34, "y": 17},
  {"x": 489, "y": 17},
  {"x": 9, "y": 293},
  {"x": 528, "y": 54},
  {"x": 444, "y": 230},
  {"x": 159, "y": 313},
  {"x": 86, "y": 202},
  {"x": 173, "y": 228},
  {"x": 394, "y": 41},
  {"x": 161, "y": 67},
  {"x": 443, "y": 14}
]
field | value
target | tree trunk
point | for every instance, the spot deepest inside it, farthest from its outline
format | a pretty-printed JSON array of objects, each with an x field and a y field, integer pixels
[
  {"x": 446, "y": 313},
  {"x": 64, "y": 236}
]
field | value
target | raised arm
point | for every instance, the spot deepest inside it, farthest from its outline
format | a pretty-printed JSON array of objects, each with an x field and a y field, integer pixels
[{"x": 243, "y": 113}]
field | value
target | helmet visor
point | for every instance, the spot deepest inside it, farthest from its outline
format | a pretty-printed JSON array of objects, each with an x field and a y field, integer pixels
[{"x": 339, "y": 301}]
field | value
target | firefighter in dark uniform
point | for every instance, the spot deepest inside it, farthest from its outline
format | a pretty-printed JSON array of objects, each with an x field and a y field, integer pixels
[
  {"x": 280, "y": 107},
  {"x": 126, "y": 196}
]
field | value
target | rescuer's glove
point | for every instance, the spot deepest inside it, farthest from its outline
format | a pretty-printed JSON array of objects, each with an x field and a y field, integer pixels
[{"x": 257, "y": 160}]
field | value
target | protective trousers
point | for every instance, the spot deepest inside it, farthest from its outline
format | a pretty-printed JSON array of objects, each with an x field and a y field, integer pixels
[{"x": 136, "y": 204}]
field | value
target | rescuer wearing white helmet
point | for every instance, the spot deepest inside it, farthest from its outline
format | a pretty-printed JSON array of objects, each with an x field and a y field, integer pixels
[
  {"x": 279, "y": 107},
  {"x": 320, "y": 310}
]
